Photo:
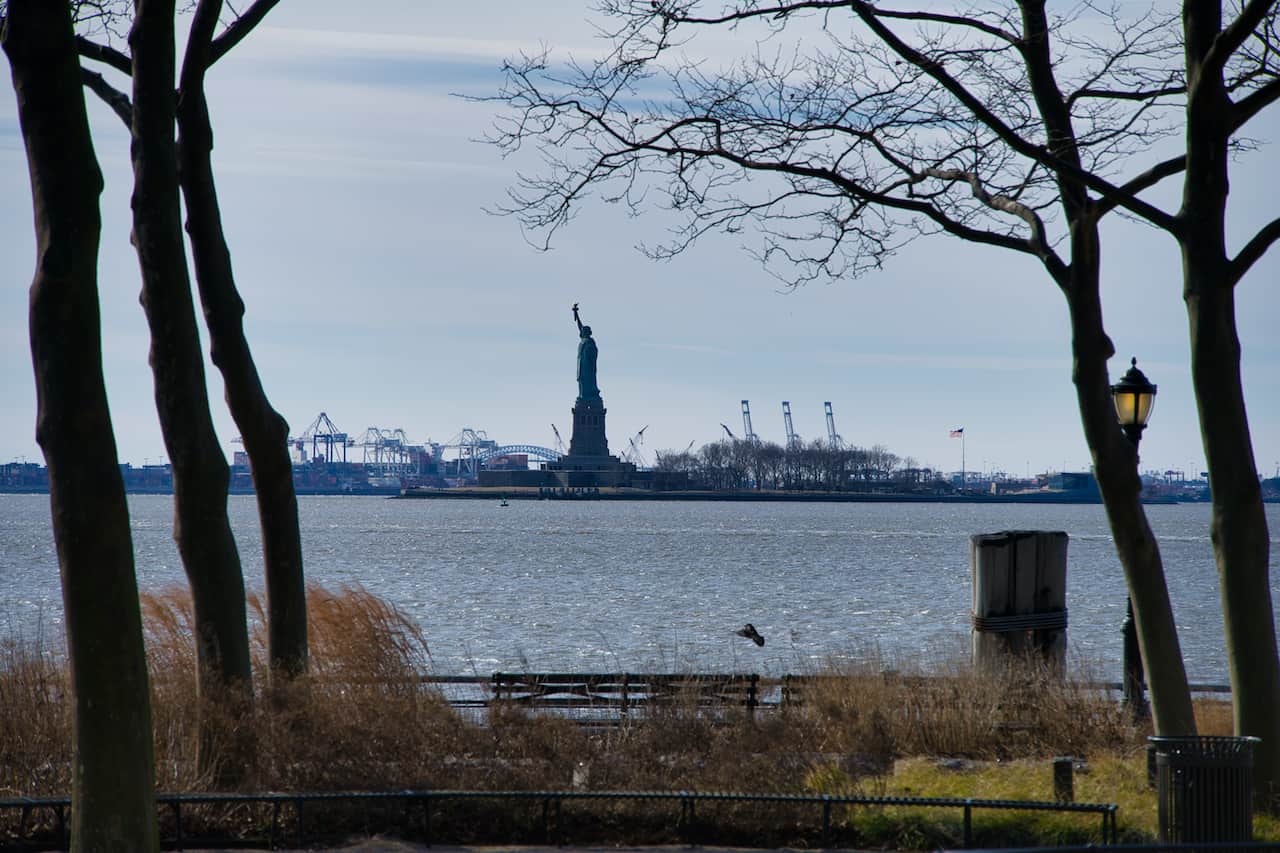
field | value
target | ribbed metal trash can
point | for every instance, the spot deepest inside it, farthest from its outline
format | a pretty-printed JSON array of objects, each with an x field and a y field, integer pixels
[{"x": 1204, "y": 787}]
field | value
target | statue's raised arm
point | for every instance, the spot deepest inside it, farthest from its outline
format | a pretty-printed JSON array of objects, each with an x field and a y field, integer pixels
[{"x": 576, "y": 319}]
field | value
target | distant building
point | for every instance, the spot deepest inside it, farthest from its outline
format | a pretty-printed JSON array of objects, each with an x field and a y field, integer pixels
[{"x": 1081, "y": 482}]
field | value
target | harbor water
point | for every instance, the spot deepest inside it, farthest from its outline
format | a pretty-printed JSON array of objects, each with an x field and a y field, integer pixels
[{"x": 662, "y": 586}]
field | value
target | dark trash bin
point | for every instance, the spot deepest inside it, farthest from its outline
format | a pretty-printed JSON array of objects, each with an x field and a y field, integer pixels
[{"x": 1204, "y": 787}]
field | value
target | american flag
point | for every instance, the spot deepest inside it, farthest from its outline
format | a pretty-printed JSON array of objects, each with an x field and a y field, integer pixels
[{"x": 957, "y": 433}]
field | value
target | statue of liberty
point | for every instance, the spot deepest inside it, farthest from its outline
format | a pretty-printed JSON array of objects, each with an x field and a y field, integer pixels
[{"x": 587, "y": 352}]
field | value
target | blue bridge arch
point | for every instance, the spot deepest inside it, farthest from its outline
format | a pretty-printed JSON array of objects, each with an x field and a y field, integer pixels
[{"x": 546, "y": 454}]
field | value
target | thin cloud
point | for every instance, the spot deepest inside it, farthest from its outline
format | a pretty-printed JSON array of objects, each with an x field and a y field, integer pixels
[{"x": 292, "y": 42}]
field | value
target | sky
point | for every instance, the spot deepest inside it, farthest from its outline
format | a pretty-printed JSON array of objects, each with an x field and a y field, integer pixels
[{"x": 379, "y": 290}]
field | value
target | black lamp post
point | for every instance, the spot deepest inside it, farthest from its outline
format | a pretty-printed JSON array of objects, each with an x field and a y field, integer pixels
[{"x": 1134, "y": 396}]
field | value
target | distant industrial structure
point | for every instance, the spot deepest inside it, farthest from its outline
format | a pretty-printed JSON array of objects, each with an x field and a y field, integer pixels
[{"x": 379, "y": 460}]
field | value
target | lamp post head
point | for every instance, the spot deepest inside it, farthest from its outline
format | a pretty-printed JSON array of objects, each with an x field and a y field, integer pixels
[{"x": 1134, "y": 396}]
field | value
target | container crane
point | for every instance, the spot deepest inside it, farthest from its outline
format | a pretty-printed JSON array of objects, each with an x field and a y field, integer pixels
[
  {"x": 793, "y": 440},
  {"x": 833, "y": 437},
  {"x": 559, "y": 440},
  {"x": 470, "y": 445},
  {"x": 728, "y": 432},
  {"x": 387, "y": 452},
  {"x": 323, "y": 434},
  {"x": 748, "y": 433}
]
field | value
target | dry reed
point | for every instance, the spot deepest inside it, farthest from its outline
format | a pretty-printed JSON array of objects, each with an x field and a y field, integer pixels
[{"x": 363, "y": 719}]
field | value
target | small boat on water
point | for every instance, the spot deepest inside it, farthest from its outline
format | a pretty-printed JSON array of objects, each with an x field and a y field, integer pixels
[{"x": 502, "y": 502}]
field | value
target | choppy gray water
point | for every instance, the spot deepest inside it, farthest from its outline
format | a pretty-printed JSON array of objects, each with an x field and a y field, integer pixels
[{"x": 579, "y": 586}]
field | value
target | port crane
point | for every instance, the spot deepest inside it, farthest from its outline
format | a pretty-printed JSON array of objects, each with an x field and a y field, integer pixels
[
  {"x": 387, "y": 452},
  {"x": 728, "y": 432},
  {"x": 793, "y": 440},
  {"x": 559, "y": 440},
  {"x": 833, "y": 437},
  {"x": 326, "y": 440},
  {"x": 748, "y": 434},
  {"x": 472, "y": 446},
  {"x": 633, "y": 454}
]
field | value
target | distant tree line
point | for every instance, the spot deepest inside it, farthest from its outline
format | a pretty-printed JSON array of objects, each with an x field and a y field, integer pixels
[{"x": 817, "y": 466}]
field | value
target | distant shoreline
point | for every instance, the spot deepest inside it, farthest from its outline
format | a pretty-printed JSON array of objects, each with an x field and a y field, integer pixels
[{"x": 497, "y": 494}]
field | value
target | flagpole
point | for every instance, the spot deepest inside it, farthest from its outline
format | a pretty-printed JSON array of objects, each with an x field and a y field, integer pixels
[{"x": 964, "y": 480}]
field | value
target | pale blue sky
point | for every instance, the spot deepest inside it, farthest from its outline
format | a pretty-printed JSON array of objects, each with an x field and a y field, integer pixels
[{"x": 379, "y": 291}]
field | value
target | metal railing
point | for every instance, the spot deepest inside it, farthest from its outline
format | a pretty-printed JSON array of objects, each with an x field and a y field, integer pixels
[{"x": 550, "y": 801}]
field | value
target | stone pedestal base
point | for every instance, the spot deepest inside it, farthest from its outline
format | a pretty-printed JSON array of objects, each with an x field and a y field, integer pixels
[{"x": 588, "y": 430}]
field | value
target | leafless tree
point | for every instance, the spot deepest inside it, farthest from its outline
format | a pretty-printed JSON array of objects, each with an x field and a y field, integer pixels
[
  {"x": 847, "y": 129},
  {"x": 733, "y": 464},
  {"x": 113, "y": 774},
  {"x": 200, "y": 473},
  {"x": 264, "y": 431}
]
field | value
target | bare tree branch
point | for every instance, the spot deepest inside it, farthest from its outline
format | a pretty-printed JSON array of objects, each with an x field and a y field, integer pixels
[
  {"x": 676, "y": 14},
  {"x": 115, "y": 99},
  {"x": 1253, "y": 103},
  {"x": 104, "y": 54},
  {"x": 1235, "y": 34},
  {"x": 1253, "y": 250},
  {"x": 197, "y": 59},
  {"x": 871, "y": 17},
  {"x": 1146, "y": 180},
  {"x": 1124, "y": 95},
  {"x": 239, "y": 28}
]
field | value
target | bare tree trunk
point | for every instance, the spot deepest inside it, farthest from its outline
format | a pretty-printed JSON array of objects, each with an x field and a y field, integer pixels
[
  {"x": 113, "y": 778},
  {"x": 263, "y": 430},
  {"x": 1241, "y": 541},
  {"x": 200, "y": 473},
  {"x": 1116, "y": 467},
  {"x": 1114, "y": 457}
]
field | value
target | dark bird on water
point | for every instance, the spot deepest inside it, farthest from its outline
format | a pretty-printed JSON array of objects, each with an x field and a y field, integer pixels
[{"x": 749, "y": 631}]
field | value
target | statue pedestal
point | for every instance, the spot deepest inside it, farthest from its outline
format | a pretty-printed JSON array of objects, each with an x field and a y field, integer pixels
[
  {"x": 588, "y": 429},
  {"x": 588, "y": 462}
]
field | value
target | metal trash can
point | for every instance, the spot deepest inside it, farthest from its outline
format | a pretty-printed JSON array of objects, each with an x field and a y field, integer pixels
[{"x": 1204, "y": 787}]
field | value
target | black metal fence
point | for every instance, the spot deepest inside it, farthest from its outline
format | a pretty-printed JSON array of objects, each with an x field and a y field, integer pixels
[
  {"x": 602, "y": 697},
  {"x": 1198, "y": 847},
  {"x": 418, "y": 807}
]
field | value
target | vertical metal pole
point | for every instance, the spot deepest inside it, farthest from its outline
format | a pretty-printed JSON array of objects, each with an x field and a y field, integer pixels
[
  {"x": 1134, "y": 684},
  {"x": 968, "y": 824},
  {"x": 826, "y": 820}
]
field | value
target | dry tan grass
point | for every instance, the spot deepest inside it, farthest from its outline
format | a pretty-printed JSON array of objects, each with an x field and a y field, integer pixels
[
  {"x": 362, "y": 719},
  {"x": 35, "y": 707}
]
